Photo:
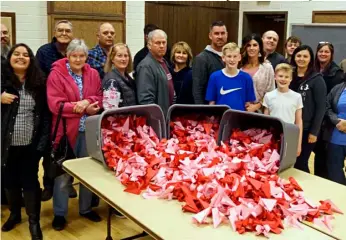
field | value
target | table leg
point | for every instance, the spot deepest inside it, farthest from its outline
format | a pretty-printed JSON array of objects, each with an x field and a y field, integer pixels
[
  {"x": 143, "y": 234},
  {"x": 109, "y": 218}
]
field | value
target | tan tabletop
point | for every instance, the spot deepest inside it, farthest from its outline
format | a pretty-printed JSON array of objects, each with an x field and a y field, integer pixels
[
  {"x": 317, "y": 189},
  {"x": 162, "y": 219}
]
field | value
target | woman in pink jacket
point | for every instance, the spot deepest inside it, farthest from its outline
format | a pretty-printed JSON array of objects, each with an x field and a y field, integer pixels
[{"x": 73, "y": 82}]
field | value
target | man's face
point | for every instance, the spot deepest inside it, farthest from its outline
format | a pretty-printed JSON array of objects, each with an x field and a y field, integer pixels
[
  {"x": 106, "y": 35},
  {"x": 270, "y": 41},
  {"x": 158, "y": 46},
  {"x": 63, "y": 33},
  {"x": 218, "y": 36},
  {"x": 5, "y": 36}
]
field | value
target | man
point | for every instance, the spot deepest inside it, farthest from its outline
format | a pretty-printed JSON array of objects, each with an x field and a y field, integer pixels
[
  {"x": 98, "y": 55},
  {"x": 144, "y": 51},
  {"x": 153, "y": 80},
  {"x": 5, "y": 41},
  {"x": 208, "y": 61},
  {"x": 56, "y": 49},
  {"x": 270, "y": 42},
  {"x": 46, "y": 55},
  {"x": 290, "y": 45}
]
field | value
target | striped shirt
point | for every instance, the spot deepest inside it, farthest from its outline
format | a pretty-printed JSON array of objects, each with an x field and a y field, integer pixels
[{"x": 24, "y": 124}]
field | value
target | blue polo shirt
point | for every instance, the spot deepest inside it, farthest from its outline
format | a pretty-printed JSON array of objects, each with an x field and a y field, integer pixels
[
  {"x": 233, "y": 91},
  {"x": 338, "y": 137}
]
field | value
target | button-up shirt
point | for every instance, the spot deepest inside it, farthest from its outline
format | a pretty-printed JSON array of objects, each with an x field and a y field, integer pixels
[{"x": 97, "y": 59}]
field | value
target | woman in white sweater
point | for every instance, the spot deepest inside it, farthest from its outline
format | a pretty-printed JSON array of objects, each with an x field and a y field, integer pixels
[{"x": 261, "y": 71}]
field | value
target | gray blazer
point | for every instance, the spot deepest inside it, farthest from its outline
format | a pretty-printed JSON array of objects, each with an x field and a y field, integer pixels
[{"x": 152, "y": 84}]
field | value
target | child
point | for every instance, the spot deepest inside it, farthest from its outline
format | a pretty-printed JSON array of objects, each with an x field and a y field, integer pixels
[
  {"x": 231, "y": 86},
  {"x": 284, "y": 103}
]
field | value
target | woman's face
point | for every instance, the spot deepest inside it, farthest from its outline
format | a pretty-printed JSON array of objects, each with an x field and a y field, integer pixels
[
  {"x": 20, "y": 59},
  {"x": 77, "y": 60},
  {"x": 302, "y": 58},
  {"x": 324, "y": 55},
  {"x": 121, "y": 58},
  {"x": 252, "y": 48},
  {"x": 180, "y": 56}
]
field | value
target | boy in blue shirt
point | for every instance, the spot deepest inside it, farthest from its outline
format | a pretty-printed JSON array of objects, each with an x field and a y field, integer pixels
[{"x": 231, "y": 86}]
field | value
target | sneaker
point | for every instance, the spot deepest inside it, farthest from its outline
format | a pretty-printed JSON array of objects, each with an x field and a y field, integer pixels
[
  {"x": 59, "y": 223},
  {"x": 47, "y": 194},
  {"x": 117, "y": 213},
  {"x": 72, "y": 192},
  {"x": 92, "y": 216}
]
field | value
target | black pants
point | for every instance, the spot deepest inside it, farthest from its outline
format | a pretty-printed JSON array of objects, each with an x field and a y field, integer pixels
[
  {"x": 321, "y": 150},
  {"x": 48, "y": 182},
  {"x": 303, "y": 159},
  {"x": 21, "y": 171},
  {"x": 336, "y": 163}
]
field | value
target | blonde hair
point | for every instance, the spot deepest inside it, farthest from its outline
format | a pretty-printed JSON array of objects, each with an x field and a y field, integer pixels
[
  {"x": 232, "y": 46},
  {"x": 285, "y": 68},
  {"x": 113, "y": 51},
  {"x": 184, "y": 47}
]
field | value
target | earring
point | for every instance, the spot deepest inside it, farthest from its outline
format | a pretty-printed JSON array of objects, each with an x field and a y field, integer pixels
[{"x": 259, "y": 55}]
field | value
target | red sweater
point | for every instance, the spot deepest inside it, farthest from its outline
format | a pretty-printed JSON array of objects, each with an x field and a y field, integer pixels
[{"x": 61, "y": 87}]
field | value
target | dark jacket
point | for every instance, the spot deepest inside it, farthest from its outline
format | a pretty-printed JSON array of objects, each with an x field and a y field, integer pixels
[
  {"x": 314, "y": 93},
  {"x": 183, "y": 86},
  {"x": 276, "y": 58},
  {"x": 333, "y": 76},
  {"x": 47, "y": 54},
  {"x": 141, "y": 54},
  {"x": 9, "y": 112},
  {"x": 332, "y": 110},
  {"x": 203, "y": 66},
  {"x": 151, "y": 82},
  {"x": 126, "y": 87}
]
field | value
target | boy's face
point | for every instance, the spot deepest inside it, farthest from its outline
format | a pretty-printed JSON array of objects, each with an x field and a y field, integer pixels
[
  {"x": 283, "y": 78},
  {"x": 290, "y": 47},
  {"x": 231, "y": 58}
]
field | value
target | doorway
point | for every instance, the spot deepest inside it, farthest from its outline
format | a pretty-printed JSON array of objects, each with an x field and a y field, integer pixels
[{"x": 260, "y": 22}]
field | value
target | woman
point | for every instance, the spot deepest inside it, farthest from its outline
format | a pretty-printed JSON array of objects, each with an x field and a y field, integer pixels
[
  {"x": 24, "y": 135},
  {"x": 332, "y": 75},
  {"x": 117, "y": 78},
  {"x": 78, "y": 86},
  {"x": 311, "y": 86},
  {"x": 261, "y": 71},
  {"x": 336, "y": 115},
  {"x": 181, "y": 57}
]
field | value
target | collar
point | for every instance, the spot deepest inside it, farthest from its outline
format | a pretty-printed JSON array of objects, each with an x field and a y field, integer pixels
[
  {"x": 210, "y": 49},
  {"x": 100, "y": 49}
]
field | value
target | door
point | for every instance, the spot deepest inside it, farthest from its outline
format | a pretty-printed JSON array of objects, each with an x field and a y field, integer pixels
[{"x": 264, "y": 21}]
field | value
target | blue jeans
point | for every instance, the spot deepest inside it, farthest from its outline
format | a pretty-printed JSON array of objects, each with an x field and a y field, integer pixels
[
  {"x": 335, "y": 163},
  {"x": 61, "y": 183}
]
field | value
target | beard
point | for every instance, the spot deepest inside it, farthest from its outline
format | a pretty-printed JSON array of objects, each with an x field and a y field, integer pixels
[{"x": 5, "y": 48}]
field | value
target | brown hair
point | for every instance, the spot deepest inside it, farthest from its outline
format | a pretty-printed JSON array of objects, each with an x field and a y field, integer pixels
[
  {"x": 293, "y": 39},
  {"x": 111, "y": 55},
  {"x": 284, "y": 67},
  {"x": 185, "y": 47}
]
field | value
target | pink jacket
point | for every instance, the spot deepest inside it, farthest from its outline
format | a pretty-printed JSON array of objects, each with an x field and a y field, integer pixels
[{"x": 61, "y": 87}]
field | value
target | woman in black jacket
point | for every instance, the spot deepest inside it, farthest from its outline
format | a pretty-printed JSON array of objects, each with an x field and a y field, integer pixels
[
  {"x": 311, "y": 86},
  {"x": 332, "y": 75},
  {"x": 24, "y": 135},
  {"x": 181, "y": 57},
  {"x": 336, "y": 127},
  {"x": 117, "y": 80}
]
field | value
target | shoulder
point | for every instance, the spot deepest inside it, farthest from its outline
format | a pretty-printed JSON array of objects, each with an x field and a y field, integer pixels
[
  {"x": 217, "y": 73},
  {"x": 46, "y": 48},
  {"x": 244, "y": 75},
  {"x": 267, "y": 65},
  {"x": 201, "y": 56}
]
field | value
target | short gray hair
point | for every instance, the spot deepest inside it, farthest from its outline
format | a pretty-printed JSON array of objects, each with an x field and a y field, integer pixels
[
  {"x": 75, "y": 45},
  {"x": 63, "y": 21},
  {"x": 155, "y": 32}
]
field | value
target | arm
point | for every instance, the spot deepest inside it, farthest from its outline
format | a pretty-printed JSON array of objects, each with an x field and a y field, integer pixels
[
  {"x": 332, "y": 116},
  {"x": 56, "y": 95},
  {"x": 299, "y": 123},
  {"x": 211, "y": 94},
  {"x": 146, "y": 86},
  {"x": 99, "y": 93},
  {"x": 319, "y": 93},
  {"x": 250, "y": 97},
  {"x": 41, "y": 62},
  {"x": 199, "y": 79},
  {"x": 271, "y": 79},
  {"x": 212, "y": 103},
  {"x": 265, "y": 105},
  {"x": 46, "y": 124},
  {"x": 266, "y": 111}
]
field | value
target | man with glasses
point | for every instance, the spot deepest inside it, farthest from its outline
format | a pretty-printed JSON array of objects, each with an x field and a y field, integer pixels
[
  {"x": 46, "y": 55},
  {"x": 98, "y": 55}
]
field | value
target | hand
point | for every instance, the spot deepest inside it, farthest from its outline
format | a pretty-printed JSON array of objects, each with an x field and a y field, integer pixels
[
  {"x": 299, "y": 150},
  {"x": 7, "y": 98},
  {"x": 341, "y": 126},
  {"x": 80, "y": 106},
  {"x": 312, "y": 138},
  {"x": 252, "y": 107},
  {"x": 93, "y": 108}
]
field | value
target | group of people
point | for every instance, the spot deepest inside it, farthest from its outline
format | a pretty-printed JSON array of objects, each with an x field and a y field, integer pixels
[{"x": 65, "y": 80}]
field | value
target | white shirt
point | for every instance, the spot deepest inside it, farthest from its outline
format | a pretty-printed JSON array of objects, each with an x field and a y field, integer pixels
[{"x": 283, "y": 105}]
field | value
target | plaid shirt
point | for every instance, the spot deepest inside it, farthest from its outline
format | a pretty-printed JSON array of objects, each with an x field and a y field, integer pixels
[
  {"x": 97, "y": 59},
  {"x": 24, "y": 124},
  {"x": 79, "y": 81}
]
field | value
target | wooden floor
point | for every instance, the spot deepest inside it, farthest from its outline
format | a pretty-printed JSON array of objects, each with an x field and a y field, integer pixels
[{"x": 78, "y": 227}]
